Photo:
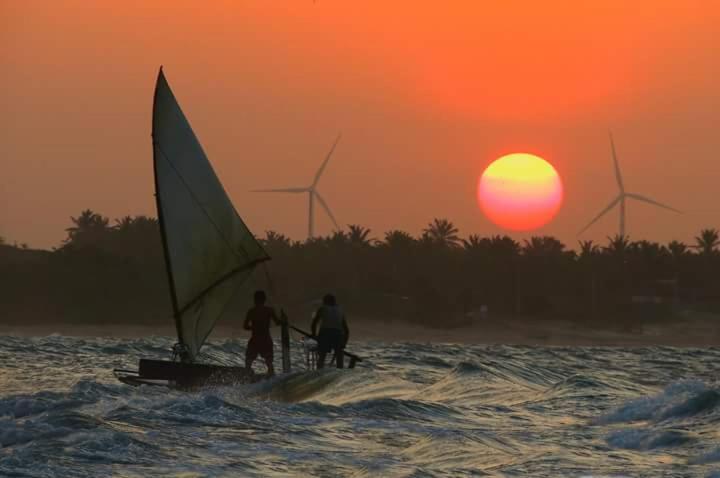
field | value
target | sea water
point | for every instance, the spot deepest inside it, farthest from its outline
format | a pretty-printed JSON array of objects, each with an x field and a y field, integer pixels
[{"x": 409, "y": 410}]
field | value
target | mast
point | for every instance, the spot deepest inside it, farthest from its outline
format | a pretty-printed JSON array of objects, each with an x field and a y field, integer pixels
[
  {"x": 161, "y": 221},
  {"x": 209, "y": 251}
]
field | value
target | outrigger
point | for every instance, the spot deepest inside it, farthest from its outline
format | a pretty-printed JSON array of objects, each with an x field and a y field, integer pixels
[{"x": 209, "y": 253}]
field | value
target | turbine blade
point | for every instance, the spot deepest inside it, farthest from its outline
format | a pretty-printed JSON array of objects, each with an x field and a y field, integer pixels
[
  {"x": 322, "y": 166},
  {"x": 286, "y": 190},
  {"x": 327, "y": 209},
  {"x": 601, "y": 214},
  {"x": 618, "y": 176},
  {"x": 652, "y": 201}
]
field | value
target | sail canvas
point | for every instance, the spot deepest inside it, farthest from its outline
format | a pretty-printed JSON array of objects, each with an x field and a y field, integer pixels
[{"x": 209, "y": 251}]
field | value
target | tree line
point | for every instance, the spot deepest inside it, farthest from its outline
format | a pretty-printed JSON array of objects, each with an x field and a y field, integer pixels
[{"x": 114, "y": 272}]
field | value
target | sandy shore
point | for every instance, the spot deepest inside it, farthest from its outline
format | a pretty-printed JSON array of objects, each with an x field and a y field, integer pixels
[{"x": 696, "y": 331}]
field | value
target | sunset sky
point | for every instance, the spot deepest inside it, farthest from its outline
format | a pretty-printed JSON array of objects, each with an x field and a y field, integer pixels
[{"x": 426, "y": 95}]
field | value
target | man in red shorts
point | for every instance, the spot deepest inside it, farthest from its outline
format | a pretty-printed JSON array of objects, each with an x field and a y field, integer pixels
[{"x": 258, "y": 322}]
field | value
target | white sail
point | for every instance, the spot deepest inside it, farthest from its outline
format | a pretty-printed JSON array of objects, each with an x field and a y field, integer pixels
[{"x": 209, "y": 251}]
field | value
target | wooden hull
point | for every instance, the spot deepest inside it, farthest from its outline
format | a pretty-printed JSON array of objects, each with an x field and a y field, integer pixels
[{"x": 185, "y": 376}]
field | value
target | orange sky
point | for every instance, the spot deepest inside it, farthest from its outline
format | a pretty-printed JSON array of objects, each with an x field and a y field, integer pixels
[{"x": 426, "y": 95}]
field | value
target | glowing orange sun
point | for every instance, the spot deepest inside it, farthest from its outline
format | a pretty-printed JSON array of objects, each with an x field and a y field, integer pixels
[{"x": 520, "y": 192}]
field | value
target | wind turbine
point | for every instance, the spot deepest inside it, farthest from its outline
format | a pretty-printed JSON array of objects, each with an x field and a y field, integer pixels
[
  {"x": 622, "y": 197},
  {"x": 312, "y": 194}
]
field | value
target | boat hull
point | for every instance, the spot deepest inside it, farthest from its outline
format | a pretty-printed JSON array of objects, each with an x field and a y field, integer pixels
[{"x": 185, "y": 376}]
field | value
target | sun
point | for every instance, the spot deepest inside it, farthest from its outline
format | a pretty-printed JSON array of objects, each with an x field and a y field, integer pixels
[{"x": 520, "y": 192}]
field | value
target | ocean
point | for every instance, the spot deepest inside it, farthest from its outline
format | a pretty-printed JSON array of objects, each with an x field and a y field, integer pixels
[{"x": 409, "y": 410}]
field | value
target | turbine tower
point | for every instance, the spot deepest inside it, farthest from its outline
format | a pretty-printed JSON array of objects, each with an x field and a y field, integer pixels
[
  {"x": 312, "y": 194},
  {"x": 622, "y": 197}
]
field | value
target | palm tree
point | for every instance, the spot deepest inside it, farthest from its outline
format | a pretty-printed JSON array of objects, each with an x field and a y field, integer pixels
[
  {"x": 396, "y": 251},
  {"x": 275, "y": 242},
  {"x": 706, "y": 261},
  {"x": 124, "y": 224},
  {"x": 618, "y": 246},
  {"x": 648, "y": 248},
  {"x": 707, "y": 241},
  {"x": 359, "y": 235},
  {"x": 543, "y": 262},
  {"x": 136, "y": 225},
  {"x": 442, "y": 232},
  {"x": 618, "y": 281},
  {"x": 544, "y": 246},
  {"x": 146, "y": 223},
  {"x": 678, "y": 250},
  {"x": 338, "y": 239},
  {"x": 680, "y": 253},
  {"x": 589, "y": 253},
  {"x": 475, "y": 243},
  {"x": 650, "y": 260},
  {"x": 89, "y": 229},
  {"x": 588, "y": 250},
  {"x": 398, "y": 240},
  {"x": 504, "y": 247},
  {"x": 472, "y": 241},
  {"x": 135, "y": 237},
  {"x": 503, "y": 253}
]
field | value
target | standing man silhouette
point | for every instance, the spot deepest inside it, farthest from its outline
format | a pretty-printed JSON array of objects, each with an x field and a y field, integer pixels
[
  {"x": 258, "y": 320},
  {"x": 334, "y": 332}
]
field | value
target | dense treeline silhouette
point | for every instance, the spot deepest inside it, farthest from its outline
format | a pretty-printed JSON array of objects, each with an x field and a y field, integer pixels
[{"x": 114, "y": 272}]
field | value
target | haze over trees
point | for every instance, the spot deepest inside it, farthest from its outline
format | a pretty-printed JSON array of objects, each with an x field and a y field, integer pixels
[{"x": 113, "y": 272}]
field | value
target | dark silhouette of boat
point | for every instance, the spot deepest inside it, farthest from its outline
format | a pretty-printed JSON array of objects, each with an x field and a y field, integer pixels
[{"x": 209, "y": 251}]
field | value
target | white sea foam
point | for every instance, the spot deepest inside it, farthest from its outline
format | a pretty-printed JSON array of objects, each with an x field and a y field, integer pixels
[{"x": 659, "y": 406}]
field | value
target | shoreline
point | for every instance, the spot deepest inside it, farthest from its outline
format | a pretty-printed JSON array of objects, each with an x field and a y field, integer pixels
[{"x": 688, "y": 332}]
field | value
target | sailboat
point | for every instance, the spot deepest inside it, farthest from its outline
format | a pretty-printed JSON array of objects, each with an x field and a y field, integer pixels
[
  {"x": 209, "y": 251},
  {"x": 209, "y": 254}
]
